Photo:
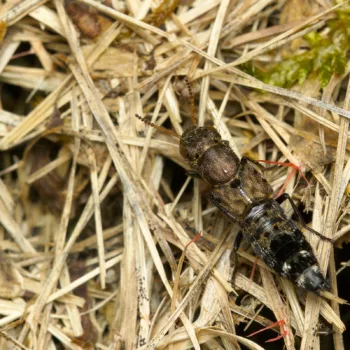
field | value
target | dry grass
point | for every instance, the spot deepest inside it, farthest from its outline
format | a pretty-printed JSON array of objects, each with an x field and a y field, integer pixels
[{"x": 96, "y": 212}]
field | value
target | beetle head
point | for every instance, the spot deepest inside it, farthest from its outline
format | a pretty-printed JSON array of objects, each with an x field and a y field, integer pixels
[{"x": 196, "y": 140}]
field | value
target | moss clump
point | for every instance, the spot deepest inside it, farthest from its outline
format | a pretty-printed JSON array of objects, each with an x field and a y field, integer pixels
[{"x": 327, "y": 55}]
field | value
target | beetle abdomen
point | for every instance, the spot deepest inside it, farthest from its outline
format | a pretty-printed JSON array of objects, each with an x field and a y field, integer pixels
[{"x": 279, "y": 242}]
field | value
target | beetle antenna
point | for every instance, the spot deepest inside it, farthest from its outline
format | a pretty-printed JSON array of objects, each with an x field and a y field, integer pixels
[
  {"x": 160, "y": 128},
  {"x": 190, "y": 92}
]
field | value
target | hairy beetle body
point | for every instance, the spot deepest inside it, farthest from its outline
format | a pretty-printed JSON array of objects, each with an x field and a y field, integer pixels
[{"x": 241, "y": 192}]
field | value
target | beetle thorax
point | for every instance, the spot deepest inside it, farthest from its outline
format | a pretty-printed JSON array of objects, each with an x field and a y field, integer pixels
[{"x": 208, "y": 155}]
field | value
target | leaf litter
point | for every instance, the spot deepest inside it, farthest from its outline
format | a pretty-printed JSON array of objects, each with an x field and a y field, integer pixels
[{"x": 96, "y": 211}]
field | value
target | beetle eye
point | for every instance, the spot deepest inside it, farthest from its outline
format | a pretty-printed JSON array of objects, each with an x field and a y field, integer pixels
[{"x": 217, "y": 139}]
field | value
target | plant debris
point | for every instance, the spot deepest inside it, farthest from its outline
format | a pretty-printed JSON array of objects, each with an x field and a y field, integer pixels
[{"x": 96, "y": 209}]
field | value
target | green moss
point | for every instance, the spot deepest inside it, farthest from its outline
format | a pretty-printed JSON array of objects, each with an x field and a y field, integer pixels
[
  {"x": 326, "y": 56},
  {"x": 162, "y": 12}
]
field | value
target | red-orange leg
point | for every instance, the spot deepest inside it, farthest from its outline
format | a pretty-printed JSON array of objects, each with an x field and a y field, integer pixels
[
  {"x": 253, "y": 272},
  {"x": 278, "y": 337},
  {"x": 292, "y": 165},
  {"x": 281, "y": 323},
  {"x": 194, "y": 239}
]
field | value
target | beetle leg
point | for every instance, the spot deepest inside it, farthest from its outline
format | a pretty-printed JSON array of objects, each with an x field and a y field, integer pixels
[
  {"x": 213, "y": 200},
  {"x": 280, "y": 323},
  {"x": 294, "y": 169},
  {"x": 253, "y": 272},
  {"x": 285, "y": 196},
  {"x": 236, "y": 244},
  {"x": 238, "y": 241},
  {"x": 193, "y": 174}
]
